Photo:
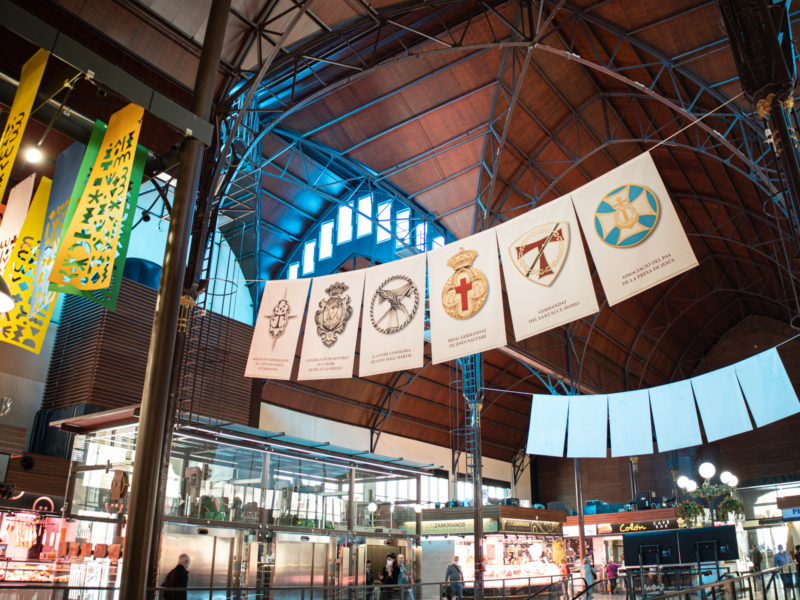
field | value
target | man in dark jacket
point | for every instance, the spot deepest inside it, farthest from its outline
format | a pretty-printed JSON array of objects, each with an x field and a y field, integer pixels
[
  {"x": 177, "y": 578},
  {"x": 389, "y": 577}
]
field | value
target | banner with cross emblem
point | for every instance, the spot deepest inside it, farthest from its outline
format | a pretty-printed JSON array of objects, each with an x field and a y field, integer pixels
[
  {"x": 277, "y": 329},
  {"x": 632, "y": 229},
  {"x": 466, "y": 300},
  {"x": 393, "y": 321},
  {"x": 546, "y": 273},
  {"x": 329, "y": 338}
]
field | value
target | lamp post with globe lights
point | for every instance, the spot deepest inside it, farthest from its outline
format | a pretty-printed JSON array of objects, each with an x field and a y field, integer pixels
[{"x": 716, "y": 496}]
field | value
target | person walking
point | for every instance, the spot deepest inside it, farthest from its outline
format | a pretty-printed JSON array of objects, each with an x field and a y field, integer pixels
[
  {"x": 369, "y": 580},
  {"x": 564, "y": 570},
  {"x": 756, "y": 557},
  {"x": 454, "y": 578},
  {"x": 405, "y": 578},
  {"x": 782, "y": 559},
  {"x": 797, "y": 562},
  {"x": 588, "y": 575},
  {"x": 389, "y": 577},
  {"x": 611, "y": 574},
  {"x": 177, "y": 578}
]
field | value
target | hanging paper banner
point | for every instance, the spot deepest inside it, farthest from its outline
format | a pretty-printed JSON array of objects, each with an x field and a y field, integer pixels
[
  {"x": 546, "y": 273},
  {"x": 632, "y": 229},
  {"x": 767, "y": 388},
  {"x": 721, "y": 404},
  {"x": 629, "y": 419},
  {"x": 277, "y": 329},
  {"x": 19, "y": 199},
  {"x": 20, "y": 326},
  {"x": 88, "y": 251},
  {"x": 588, "y": 426},
  {"x": 548, "y": 427},
  {"x": 393, "y": 320},
  {"x": 21, "y": 107},
  {"x": 64, "y": 178},
  {"x": 466, "y": 300},
  {"x": 329, "y": 340},
  {"x": 675, "y": 416}
]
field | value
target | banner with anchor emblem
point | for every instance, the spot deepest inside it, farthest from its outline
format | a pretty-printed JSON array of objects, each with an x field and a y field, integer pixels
[
  {"x": 466, "y": 300},
  {"x": 277, "y": 329},
  {"x": 632, "y": 229},
  {"x": 546, "y": 273},
  {"x": 393, "y": 322},
  {"x": 329, "y": 339}
]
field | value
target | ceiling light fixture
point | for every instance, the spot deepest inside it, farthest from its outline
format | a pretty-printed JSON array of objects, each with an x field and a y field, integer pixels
[{"x": 34, "y": 155}]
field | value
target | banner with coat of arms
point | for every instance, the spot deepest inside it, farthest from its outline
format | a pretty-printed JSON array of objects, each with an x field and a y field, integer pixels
[
  {"x": 546, "y": 273},
  {"x": 329, "y": 338},
  {"x": 632, "y": 229},
  {"x": 393, "y": 320},
  {"x": 466, "y": 298},
  {"x": 277, "y": 329}
]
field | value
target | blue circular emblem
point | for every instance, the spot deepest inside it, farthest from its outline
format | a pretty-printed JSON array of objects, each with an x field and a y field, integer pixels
[{"x": 627, "y": 215}]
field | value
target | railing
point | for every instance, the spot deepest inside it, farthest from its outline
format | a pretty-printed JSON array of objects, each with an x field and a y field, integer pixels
[{"x": 778, "y": 583}]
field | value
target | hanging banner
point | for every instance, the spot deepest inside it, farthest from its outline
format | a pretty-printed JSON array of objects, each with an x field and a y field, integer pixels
[
  {"x": 546, "y": 273},
  {"x": 393, "y": 320},
  {"x": 629, "y": 423},
  {"x": 19, "y": 199},
  {"x": 277, "y": 329},
  {"x": 64, "y": 177},
  {"x": 548, "y": 427},
  {"x": 632, "y": 229},
  {"x": 675, "y": 416},
  {"x": 587, "y": 426},
  {"x": 721, "y": 404},
  {"x": 767, "y": 388},
  {"x": 329, "y": 340},
  {"x": 29, "y": 81},
  {"x": 20, "y": 326},
  {"x": 88, "y": 251},
  {"x": 466, "y": 300}
]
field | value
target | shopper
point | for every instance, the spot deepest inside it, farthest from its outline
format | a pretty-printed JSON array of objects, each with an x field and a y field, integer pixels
[
  {"x": 177, "y": 578},
  {"x": 454, "y": 579},
  {"x": 611, "y": 573},
  {"x": 369, "y": 580},
  {"x": 406, "y": 578},
  {"x": 782, "y": 559},
  {"x": 564, "y": 569},
  {"x": 756, "y": 557},
  {"x": 389, "y": 577},
  {"x": 797, "y": 563},
  {"x": 588, "y": 575}
]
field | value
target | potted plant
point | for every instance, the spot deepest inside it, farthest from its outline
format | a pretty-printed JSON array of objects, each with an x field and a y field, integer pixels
[
  {"x": 689, "y": 511},
  {"x": 730, "y": 506}
]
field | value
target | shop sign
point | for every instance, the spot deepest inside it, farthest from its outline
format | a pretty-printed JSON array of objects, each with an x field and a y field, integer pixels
[
  {"x": 34, "y": 502},
  {"x": 445, "y": 527},
  {"x": 634, "y": 526},
  {"x": 530, "y": 526},
  {"x": 791, "y": 514},
  {"x": 572, "y": 530}
]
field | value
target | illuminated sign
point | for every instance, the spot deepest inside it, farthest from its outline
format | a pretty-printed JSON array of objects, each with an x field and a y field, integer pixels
[
  {"x": 634, "y": 526},
  {"x": 446, "y": 527},
  {"x": 530, "y": 526}
]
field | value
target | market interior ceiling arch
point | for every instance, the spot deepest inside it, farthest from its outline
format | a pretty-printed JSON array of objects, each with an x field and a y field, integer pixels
[{"x": 471, "y": 113}]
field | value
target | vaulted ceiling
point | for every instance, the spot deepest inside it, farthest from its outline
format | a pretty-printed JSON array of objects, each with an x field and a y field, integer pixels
[{"x": 471, "y": 112}]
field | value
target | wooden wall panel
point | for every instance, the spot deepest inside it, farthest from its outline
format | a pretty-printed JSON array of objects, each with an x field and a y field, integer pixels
[
  {"x": 100, "y": 357},
  {"x": 48, "y": 476},
  {"x": 12, "y": 439}
]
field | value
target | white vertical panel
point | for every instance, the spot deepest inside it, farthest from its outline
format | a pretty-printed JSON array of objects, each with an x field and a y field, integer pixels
[
  {"x": 588, "y": 426},
  {"x": 767, "y": 389},
  {"x": 548, "y": 427},
  {"x": 721, "y": 404},
  {"x": 629, "y": 422},
  {"x": 675, "y": 416}
]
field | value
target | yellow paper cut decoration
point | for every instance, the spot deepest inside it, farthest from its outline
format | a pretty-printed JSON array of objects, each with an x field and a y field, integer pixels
[
  {"x": 29, "y": 81},
  {"x": 86, "y": 255},
  {"x": 20, "y": 326}
]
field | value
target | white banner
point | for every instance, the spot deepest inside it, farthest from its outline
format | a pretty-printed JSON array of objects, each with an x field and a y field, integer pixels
[
  {"x": 632, "y": 229},
  {"x": 546, "y": 273},
  {"x": 548, "y": 427},
  {"x": 466, "y": 300},
  {"x": 19, "y": 199},
  {"x": 277, "y": 329},
  {"x": 329, "y": 338},
  {"x": 393, "y": 320},
  {"x": 587, "y": 426}
]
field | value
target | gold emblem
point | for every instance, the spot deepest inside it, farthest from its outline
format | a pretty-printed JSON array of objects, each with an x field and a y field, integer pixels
[
  {"x": 333, "y": 314},
  {"x": 465, "y": 291},
  {"x": 539, "y": 254}
]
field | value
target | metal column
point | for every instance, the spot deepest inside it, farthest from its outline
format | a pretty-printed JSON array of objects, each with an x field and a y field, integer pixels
[{"x": 155, "y": 417}]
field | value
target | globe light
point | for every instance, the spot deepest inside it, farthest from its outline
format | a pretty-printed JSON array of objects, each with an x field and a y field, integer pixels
[
  {"x": 682, "y": 482},
  {"x": 733, "y": 481},
  {"x": 33, "y": 155},
  {"x": 372, "y": 507},
  {"x": 707, "y": 470},
  {"x": 418, "y": 508},
  {"x": 725, "y": 477},
  {"x": 691, "y": 486}
]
